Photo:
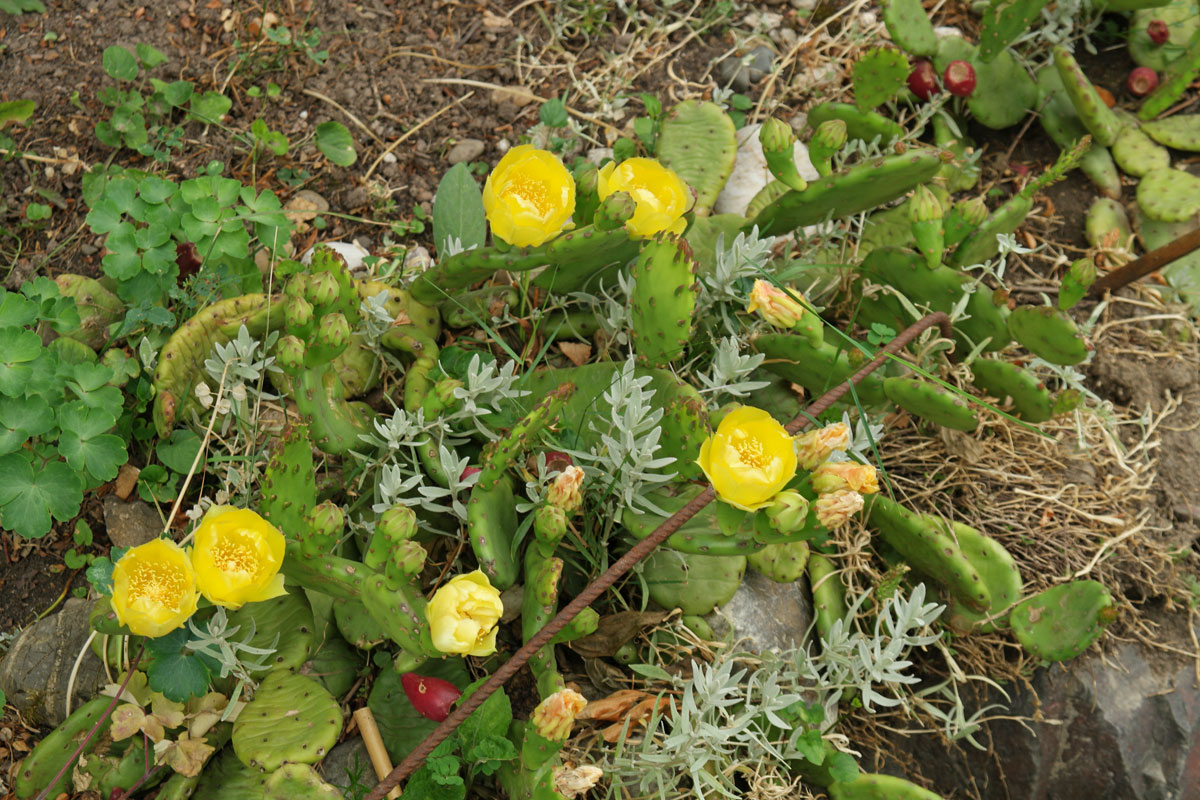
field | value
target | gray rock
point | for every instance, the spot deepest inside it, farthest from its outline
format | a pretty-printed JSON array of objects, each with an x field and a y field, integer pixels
[
  {"x": 465, "y": 150},
  {"x": 738, "y": 75},
  {"x": 1128, "y": 729},
  {"x": 130, "y": 523},
  {"x": 37, "y": 667},
  {"x": 347, "y": 761},
  {"x": 765, "y": 615}
]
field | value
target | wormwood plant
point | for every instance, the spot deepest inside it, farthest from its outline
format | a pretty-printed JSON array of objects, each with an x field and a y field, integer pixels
[{"x": 739, "y": 714}]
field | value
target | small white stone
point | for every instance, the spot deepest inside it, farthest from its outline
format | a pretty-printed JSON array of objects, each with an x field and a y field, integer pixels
[
  {"x": 389, "y": 158},
  {"x": 597, "y": 155},
  {"x": 503, "y": 146},
  {"x": 303, "y": 115},
  {"x": 351, "y": 252}
]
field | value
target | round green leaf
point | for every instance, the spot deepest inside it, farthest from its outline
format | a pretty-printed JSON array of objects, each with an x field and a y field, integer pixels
[
  {"x": 336, "y": 143},
  {"x": 119, "y": 63}
]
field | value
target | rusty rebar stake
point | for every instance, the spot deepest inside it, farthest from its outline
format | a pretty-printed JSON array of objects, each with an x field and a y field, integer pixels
[
  {"x": 1141, "y": 267},
  {"x": 639, "y": 551}
]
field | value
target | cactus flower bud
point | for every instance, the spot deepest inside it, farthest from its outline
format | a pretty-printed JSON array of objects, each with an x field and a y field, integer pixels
[
  {"x": 776, "y": 136},
  {"x": 924, "y": 206},
  {"x": 554, "y": 716},
  {"x": 409, "y": 557},
  {"x": 322, "y": 289},
  {"x": 830, "y": 136},
  {"x": 575, "y": 781},
  {"x": 298, "y": 316},
  {"x": 614, "y": 211},
  {"x": 586, "y": 179},
  {"x": 973, "y": 211},
  {"x": 398, "y": 523},
  {"x": 549, "y": 524},
  {"x": 775, "y": 305},
  {"x": 814, "y": 447},
  {"x": 333, "y": 332},
  {"x": 289, "y": 353},
  {"x": 833, "y": 476},
  {"x": 564, "y": 492},
  {"x": 835, "y": 509},
  {"x": 327, "y": 518},
  {"x": 788, "y": 512},
  {"x": 1083, "y": 271}
]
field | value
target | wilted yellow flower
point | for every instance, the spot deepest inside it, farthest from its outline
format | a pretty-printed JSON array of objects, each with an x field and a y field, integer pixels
[
  {"x": 835, "y": 508},
  {"x": 775, "y": 305},
  {"x": 463, "y": 615},
  {"x": 154, "y": 588},
  {"x": 529, "y": 197},
  {"x": 834, "y": 475},
  {"x": 813, "y": 447},
  {"x": 571, "y": 782},
  {"x": 749, "y": 458},
  {"x": 237, "y": 555},
  {"x": 564, "y": 491},
  {"x": 555, "y": 715},
  {"x": 662, "y": 198}
]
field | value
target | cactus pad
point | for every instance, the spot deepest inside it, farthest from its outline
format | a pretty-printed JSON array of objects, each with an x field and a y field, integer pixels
[
  {"x": 285, "y": 623},
  {"x": 1063, "y": 621},
  {"x": 227, "y": 777},
  {"x": 298, "y": 782},
  {"x": 1003, "y": 22},
  {"x": 1097, "y": 117},
  {"x": 696, "y": 584},
  {"x": 1169, "y": 195},
  {"x": 1004, "y": 92},
  {"x": 716, "y": 530},
  {"x": 817, "y": 369},
  {"x": 782, "y": 562},
  {"x": 910, "y": 27},
  {"x": 357, "y": 626},
  {"x": 1030, "y": 398},
  {"x": 698, "y": 141},
  {"x": 860, "y": 188},
  {"x": 50, "y": 754},
  {"x": 865, "y": 125},
  {"x": 1048, "y": 334},
  {"x": 1182, "y": 21},
  {"x": 1137, "y": 154},
  {"x": 663, "y": 299},
  {"x": 998, "y": 570},
  {"x": 491, "y": 522},
  {"x": 879, "y": 75},
  {"x": 292, "y": 719},
  {"x": 879, "y": 787},
  {"x": 1181, "y": 131},
  {"x": 929, "y": 401}
]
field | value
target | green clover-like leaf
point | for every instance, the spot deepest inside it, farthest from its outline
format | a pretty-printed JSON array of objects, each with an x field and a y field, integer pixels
[
  {"x": 18, "y": 347},
  {"x": 29, "y": 500}
]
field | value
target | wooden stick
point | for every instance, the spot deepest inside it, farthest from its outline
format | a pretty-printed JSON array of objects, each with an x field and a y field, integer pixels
[{"x": 380, "y": 761}]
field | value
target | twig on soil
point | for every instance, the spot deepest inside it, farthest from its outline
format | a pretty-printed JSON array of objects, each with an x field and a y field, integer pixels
[
  {"x": 345, "y": 111},
  {"x": 410, "y": 132},
  {"x": 518, "y": 91}
]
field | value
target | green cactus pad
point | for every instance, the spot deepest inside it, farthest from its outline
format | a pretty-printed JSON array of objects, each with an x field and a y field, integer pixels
[
  {"x": 705, "y": 232},
  {"x": 981, "y": 245},
  {"x": 1097, "y": 117},
  {"x": 698, "y": 141},
  {"x": 1003, "y": 22},
  {"x": 782, "y": 563},
  {"x": 1063, "y": 621},
  {"x": 684, "y": 428},
  {"x": 879, "y": 787},
  {"x": 1169, "y": 195},
  {"x": 929, "y": 550},
  {"x": 181, "y": 787},
  {"x": 997, "y": 568},
  {"x": 287, "y": 617},
  {"x": 1062, "y": 124},
  {"x": 289, "y": 488},
  {"x": 336, "y": 577},
  {"x": 860, "y": 188},
  {"x": 1049, "y": 334},
  {"x": 357, "y": 626},
  {"x": 291, "y": 720},
  {"x": 1182, "y": 18},
  {"x": 401, "y": 611},
  {"x": 226, "y": 777},
  {"x": 931, "y": 402},
  {"x": 1004, "y": 92},
  {"x": 1137, "y": 154},
  {"x": 718, "y": 529},
  {"x": 878, "y": 76},
  {"x": 696, "y": 584},
  {"x": 298, "y": 782},
  {"x": 817, "y": 369},
  {"x": 1181, "y": 131},
  {"x": 864, "y": 125},
  {"x": 910, "y": 27},
  {"x": 53, "y": 752},
  {"x": 1183, "y": 274},
  {"x": 491, "y": 522},
  {"x": 1030, "y": 398},
  {"x": 1104, "y": 216},
  {"x": 828, "y": 592},
  {"x": 663, "y": 300},
  {"x": 335, "y": 664}
]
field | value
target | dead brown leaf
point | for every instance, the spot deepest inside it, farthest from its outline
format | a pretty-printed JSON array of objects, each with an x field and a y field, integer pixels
[
  {"x": 613, "y": 707},
  {"x": 614, "y": 631},
  {"x": 578, "y": 352}
]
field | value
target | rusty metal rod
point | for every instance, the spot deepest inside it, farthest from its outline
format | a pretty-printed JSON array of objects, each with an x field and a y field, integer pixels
[
  {"x": 639, "y": 551},
  {"x": 1141, "y": 267}
]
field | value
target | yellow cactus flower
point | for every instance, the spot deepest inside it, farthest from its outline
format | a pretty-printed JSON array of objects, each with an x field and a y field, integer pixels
[
  {"x": 775, "y": 305},
  {"x": 237, "y": 555},
  {"x": 835, "y": 508},
  {"x": 835, "y": 475},
  {"x": 154, "y": 588},
  {"x": 529, "y": 197},
  {"x": 463, "y": 615},
  {"x": 662, "y": 198},
  {"x": 749, "y": 459},
  {"x": 813, "y": 447},
  {"x": 554, "y": 716}
]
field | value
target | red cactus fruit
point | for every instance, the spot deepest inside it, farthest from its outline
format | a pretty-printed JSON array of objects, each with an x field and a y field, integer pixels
[
  {"x": 959, "y": 78},
  {"x": 431, "y": 697},
  {"x": 1142, "y": 81},
  {"x": 1158, "y": 32},
  {"x": 922, "y": 81}
]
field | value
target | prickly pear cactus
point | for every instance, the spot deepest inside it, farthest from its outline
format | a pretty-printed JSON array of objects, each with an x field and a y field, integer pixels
[
  {"x": 782, "y": 563},
  {"x": 292, "y": 781},
  {"x": 1049, "y": 334},
  {"x": 1063, "y": 621},
  {"x": 98, "y": 308},
  {"x": 1003, "y": 22},
  {"x": 663, "y": 299},
  {"x": 284, "y": 623},
  {"x": 997, "y": 568},
  {"x": 1031, "y": 399},
  {"x": 695, "y": 584},
  {"x": 879, "y": 76},
  {"x": 228, "y": 777},
  {"x": 910, "y": 27},
  {"x": 1169, "y": 195},
  {"x": 930, "y": 401},
  {"x": 289, "y": 488},
  {"x": 698, "y": 141},
  {"x": 292, "y": 719},
  {"x": 52, "y": 753},
  {"x": 879, "y": 787},
  {"x": 1181, "y": 131}
]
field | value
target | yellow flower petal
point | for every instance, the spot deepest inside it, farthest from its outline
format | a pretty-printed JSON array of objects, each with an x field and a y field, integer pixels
[
  {"x": 749, "y": 458},
  {"x": 529, "y": 197},
  {"x": 154, "y": 588},
  {"x": 661, "y": 197},
  {"x": 237, "y": 556},
  {"x": 463, "y": 615}
]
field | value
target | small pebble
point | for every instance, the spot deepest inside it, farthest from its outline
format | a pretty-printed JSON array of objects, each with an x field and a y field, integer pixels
[{"x": 465, "y": 150}]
